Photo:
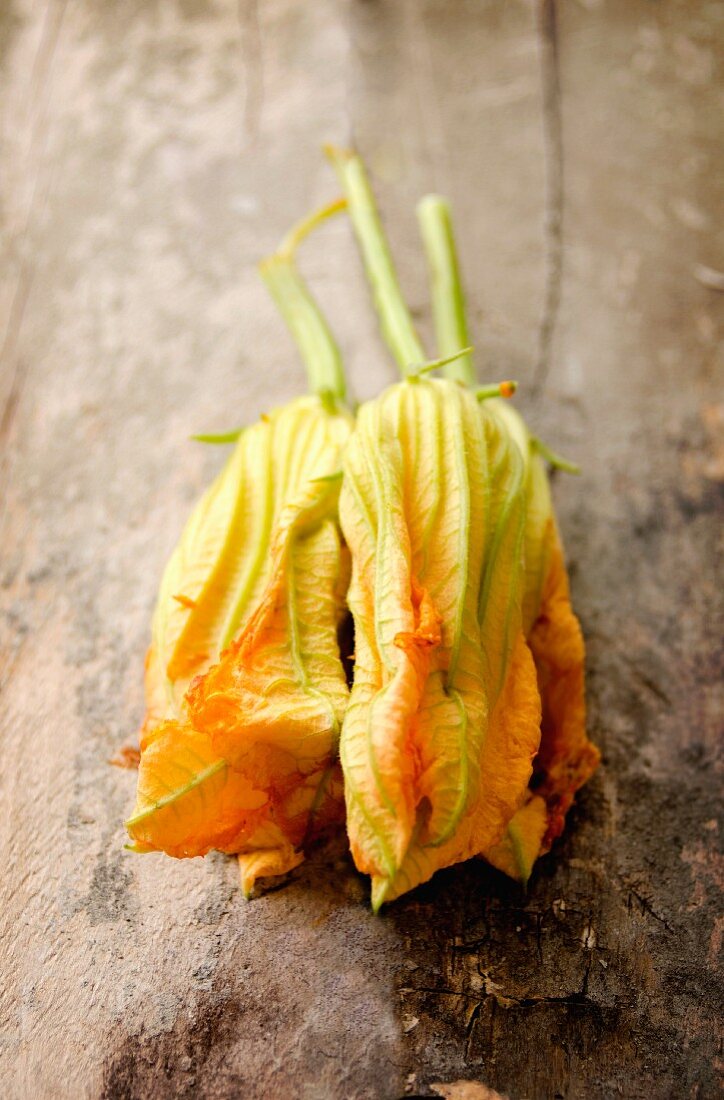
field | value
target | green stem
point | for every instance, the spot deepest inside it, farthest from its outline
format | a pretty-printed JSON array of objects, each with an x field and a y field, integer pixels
[
  {"x": 296, "y": 235},
  {"x": 303, "y": 317},
  {"x": 219, "y": 437},
  {"x": 496, "y": 389},
  {"x": 448, "y": 301},
  {"x": 397, "y": 327},
  {"x": 555, "y": 460},
  {"x": 418, "y": 369}
]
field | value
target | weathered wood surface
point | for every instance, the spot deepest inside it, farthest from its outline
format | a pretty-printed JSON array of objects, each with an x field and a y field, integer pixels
[{"x": 152, "y": 152}]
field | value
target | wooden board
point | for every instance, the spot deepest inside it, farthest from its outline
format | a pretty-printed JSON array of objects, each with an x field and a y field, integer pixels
[{"x": 152, "y": 152}]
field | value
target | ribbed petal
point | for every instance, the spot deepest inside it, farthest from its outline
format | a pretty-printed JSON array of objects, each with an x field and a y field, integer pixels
[
  {"x": 437, "y": 553},
  {"x": 511, "y": 742},
  {"x": 222, "y": 563},
  {"x": 265, "y": 718}
]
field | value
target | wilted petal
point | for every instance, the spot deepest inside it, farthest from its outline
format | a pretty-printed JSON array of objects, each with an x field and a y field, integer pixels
[
  {"x": 510, "y": 744},
  {"x": 188, "y": 800},
  {"x": 567, "y": 759},
  {"x": 266, "y": 717},
  {"x": 433, "y": 510},
  {"x": 520, "y": 846},
  {"x": 222, "y": 563}
]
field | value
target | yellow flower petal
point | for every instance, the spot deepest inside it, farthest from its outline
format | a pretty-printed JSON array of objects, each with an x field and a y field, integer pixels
[
  {"x": 217, "y": 573},
  {"x": 266, "y": 717},
  {"x": 510, "y": 744},
  {"x": 188, "y": 800},
  {"x": 567, "y": 759},
  {"x": 520, "y": 846},
  {"x": 432, "y": 508},
  {"x": 270, "y": 853}
]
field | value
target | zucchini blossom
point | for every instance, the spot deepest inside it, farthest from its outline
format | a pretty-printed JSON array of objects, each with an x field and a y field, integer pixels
[
  {"x": 465, "y": 732},
  {"x": 245, "y": 684}
]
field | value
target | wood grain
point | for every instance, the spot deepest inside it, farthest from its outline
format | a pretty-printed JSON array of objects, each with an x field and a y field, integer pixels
[{"x": 152, "y": 153}]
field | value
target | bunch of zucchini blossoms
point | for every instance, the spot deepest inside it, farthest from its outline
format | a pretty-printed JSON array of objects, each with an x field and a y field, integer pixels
[{"x": 454, "y": 724}]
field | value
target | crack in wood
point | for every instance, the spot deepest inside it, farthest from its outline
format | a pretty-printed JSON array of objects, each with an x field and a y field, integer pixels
[
  {"x": 253, "y": 60},
  {"x": 651, "y": 686},
  {"x": 647, "y": 908},
  {"x": 554, "y": 199},
  {"x": 437, "y": 991},
  {"x": 8, "y": 352},
  {"x": 17, "y": 366},
  {"x": 470, "y": 1028}
]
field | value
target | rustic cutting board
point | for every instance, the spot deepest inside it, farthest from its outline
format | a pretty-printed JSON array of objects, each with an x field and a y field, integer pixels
[{"x": 153, "y": 151}]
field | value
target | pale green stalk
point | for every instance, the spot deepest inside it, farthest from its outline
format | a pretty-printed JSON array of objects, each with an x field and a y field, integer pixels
[
  {"x": 554, "y": 459},
  {"x": 397, "y": 327},
  {"x": 496, "y": 389},
  {"x": 448, "y": 301},
  {"x": 418, "y": 369},
  {"x": 218, "y": 437},
  {"x": 304, "y": 319}
]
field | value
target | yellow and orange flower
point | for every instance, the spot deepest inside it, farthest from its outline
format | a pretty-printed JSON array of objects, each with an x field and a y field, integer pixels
[
  {"x": 487, "y": 524},
  {"x": 245, "y": 685},
  {"x": 432, "y": 508},
  {"x": 429, "y": 517},
  {"x": 566, "y": 758}
]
